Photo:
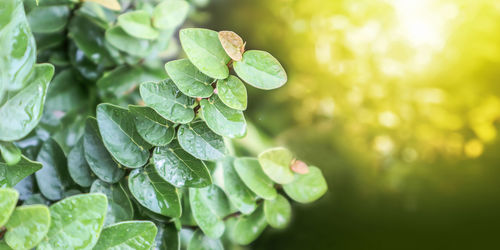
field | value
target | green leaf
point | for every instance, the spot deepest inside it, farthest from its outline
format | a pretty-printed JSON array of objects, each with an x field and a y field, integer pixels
[
  {"x": 8, "y": 201},
  {"x": 276, "y": 164},
  {"x": 10, "y": 175},
  {"x": 11, "y": 154},
  {"x": 232, "y": 92},
  {"x": 36, "y": 199},
  {"x": 152, "y": 127},
  {"x": 119, "y": 205},
  {"x": 27, "y": 226},
  {"x": 168, "y": 101},
  {"x": 117, "y": 129},
  {"x": 209, "y": 206},
  {"x": 138, "y": 24},
  {"x": 204, "y": 50},
  {"x": 307, "y": 188},
  {"x": 76, "y": 222},
  {"x": 110, "y": 4},
  {"x": 278, "y": 212},
  {"x": 53, "y": 179},
  {"x": 167, "y": 237},
  {"x": 117, "y": 37},
  {"x": 199, "y": 241},
  {"x": 198, "y": 140},
  {"x": 97, "y": 156},
  {"x": 78, "y": 167},
  {"x": 152, "y": 192},
  {"x": 23, "y": 110},
  {"x": 252, "y": 175},
  {"x": 180, "y": 168},
  {"x": 170, "y": 14},
  {"x": 222, "y": 119},
  {"x": 239, "y": 194},
  {"x": 189, "y": 79},
  {"x": 261, "y": 70},
  {"x": 187, "y": 215},
  {"x": 48, "y": 19},
  {"x": 249, "y": 227},
  {"x": 128, "y": 235}
]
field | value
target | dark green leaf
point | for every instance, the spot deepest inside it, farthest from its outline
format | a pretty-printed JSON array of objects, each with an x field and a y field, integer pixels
[
  {"x": 10, "y": 175},
  {"x": 198, "y": 140},
  {"x": 137, "y": 235},
  {"x": 8, "y": 201},
  {"x": 119, "y": 205},
  {"x": 167, "y": 237},
  {"x": 189, "y": 79},
  {"x": 137, "y": 23},
  {"x": 239, "y": 194},
  {"x": 251, "y": 174},
  {"x": 209, "y": 205},
  {"x": 306, "y": 188},
  {"x": 170, "y": 14},
  {"x": 187, "y": 215},
  {"x": 277, "y": 212},
  {"x": 222, "y": 119},
  {"x": 261, "y": 70},
  {"x": 199, "y": 241},
  {"x": 232, "y": 92},
  {"x": 78, "y": 167},
  {"x": 249, "y": 227},
  {"x": 117, "y": 37},
  {"x": 153, "y": 128},
  {"x": 53, "y": 179},
  {"x": 36, "y": 199},
  {"x": 27, "y": 226},
  {"x": 276, "y": 163},
  {"x": 48, "y": 19}
]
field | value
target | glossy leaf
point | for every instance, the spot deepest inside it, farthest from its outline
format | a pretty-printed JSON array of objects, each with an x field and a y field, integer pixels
[
  {"x": 179, "y": 168},
  {"x": 117, "y": 129},
  {"x": 167, "y": 237},
  {"x": 100, "y": 161},
  {"x": 239, "y": 194},
  {"x": 10, "y": 175},
  {"x": 170, "y": 14},
  {"x": 199, "y": 241},
  {"x": 261, "y": 70},
  {"x": 78, "y": 167},
  {"x": 307, "y": 188},
  {"x": 48, "y": 19},
  {"x": 27, "y": 226},
  {"x": 276, "y": 163},
  {"x": 8, "y": 201},
  {"x": 189, "y": 79},
  {"x": 53, "y": 179},
  {"x": 151, "y": 126},
  {"x": 117, "y": 37},
  {"x": 10, "y": 153},
  {"x": 209, "y": 205},
  {"x": 252, "y": 175},
  {"x": 278, "y": 212},
  {"x": 232, "y": 92},
  {"x": 23, "y": 110},
  {"x": 76, "y": 222},
  {"x": 204, "y": 50},
  {"x": 249, "y": 227},
  {"x": 168, "y": 101},
  {"x": 119, "y": 205},
  {"x": 222, "y": 119},
  {"x": 154, "y": 193},
  {"x": 197, "y": 139},
  {"x": 128, "y": 235},
  {"x": 232, "y": 44},
  {"x": 138, "y": 24}
]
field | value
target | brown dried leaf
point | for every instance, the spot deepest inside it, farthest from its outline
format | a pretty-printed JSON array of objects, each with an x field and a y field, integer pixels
[
  {"x": 232, "y": 44},
  {"x": 110, "y": 4},
  {"x": 299, "y": 167}
]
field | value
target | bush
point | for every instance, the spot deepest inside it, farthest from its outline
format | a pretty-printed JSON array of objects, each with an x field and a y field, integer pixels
[{"x": 142, "y": 175}]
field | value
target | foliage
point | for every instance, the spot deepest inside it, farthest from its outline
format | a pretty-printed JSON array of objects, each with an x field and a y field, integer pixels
[{"x": 117, "y": 151}]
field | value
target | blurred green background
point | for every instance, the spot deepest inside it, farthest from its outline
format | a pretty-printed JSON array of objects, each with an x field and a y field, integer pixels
[{"x": 398, "y": 102}]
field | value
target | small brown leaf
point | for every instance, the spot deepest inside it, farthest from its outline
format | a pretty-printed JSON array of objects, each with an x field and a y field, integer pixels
[
  {"x": 299, "y": 167},
  {"x": 110, "y": 4},
  {"x": 232, "y": 44}
]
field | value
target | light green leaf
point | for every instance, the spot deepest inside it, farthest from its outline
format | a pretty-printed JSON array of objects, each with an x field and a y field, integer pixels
[
  {"x": 152, "y": 127},
  {"x": 117, "y": 37},
  {"x": 27, "y": 226},
  {"x": 261, "y": 70},
  {"x": 110, "y": 4},
  {"x": 167, "y": 237},
  {"x": 232, "y": 92},
  {"x": 239, "y": 194},
  {"x": 180, "y": 168},
  {"x": 8, "y": 201},
  {"x": 76, "y": 222},
  {"x": 48, "y": 19},
  {"x": 278, "y": 212},
  {"x": 23, "y": 110},
  {"x": 204, "y": 50},
  {"x": 276, "y": 164},
  {"x": 11, "y": 154},
  {"x": 252, "y": 175},
  {"x": 170, "y": 14},
  {"x": 189, "y": 79},
  {"x": 138, "y": 235},
  {"x": 119, "y": 205},
  {"x": 53, "y": 179},
  {"x": 199, "y": 241},
  {"x": 78, "y": 167},
  {"x": 209, "y": 205},
  {"x": 152, "y": 192},
  {"x": 307, "y": 188},
  {"x": 97, "y": 156},
  {"x": 117, "y": 129},
  {"x": 249, "y": 227},
  {"x": 222, "y": 119},
  {"x": 168, "y": 101},
  {"x": 137, "y": 23},
  {"x": 198, "y": 140},
  {"x": 10, "y": 175}
]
